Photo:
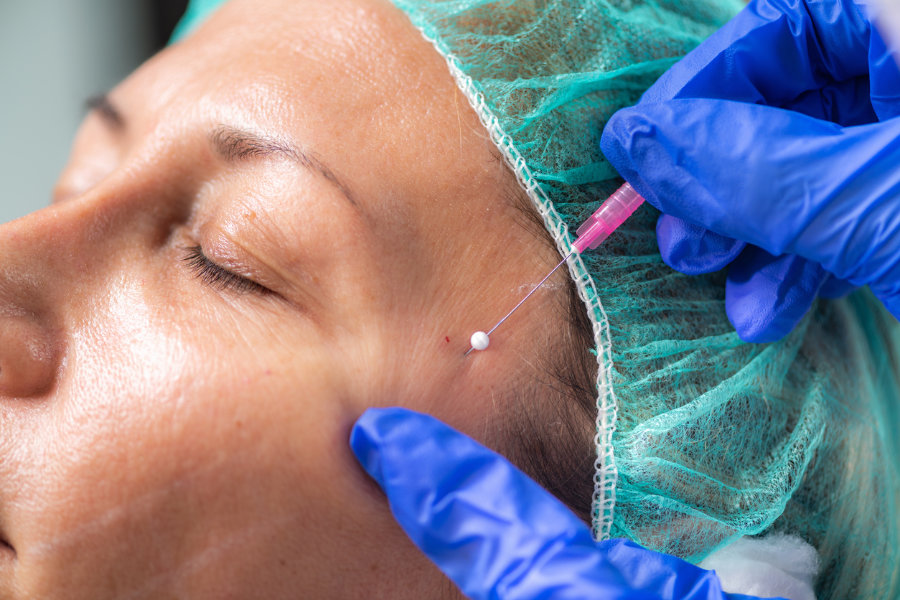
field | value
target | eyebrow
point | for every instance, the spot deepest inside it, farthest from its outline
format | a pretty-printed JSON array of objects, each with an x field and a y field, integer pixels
[{"x": 236, "y": 145}]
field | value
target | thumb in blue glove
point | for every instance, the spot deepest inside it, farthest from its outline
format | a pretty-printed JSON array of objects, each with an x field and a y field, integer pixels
[{"x": 496, "y": 533}]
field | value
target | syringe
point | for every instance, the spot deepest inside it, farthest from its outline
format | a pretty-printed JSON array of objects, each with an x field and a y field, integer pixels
[{"x": 593, "y": 232}]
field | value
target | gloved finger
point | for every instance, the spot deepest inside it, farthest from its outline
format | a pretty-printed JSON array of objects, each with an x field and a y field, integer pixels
[
  {"x": 481, "y": 521},
  {"x": 766, "y": 296},
  {"x": 693, "y": 249},
  {"x": 779, "y": 180},
  {"x": 834, "y": 288},
  {"x": 772, "y": 52},
  {"x": 496, "y": 533}
]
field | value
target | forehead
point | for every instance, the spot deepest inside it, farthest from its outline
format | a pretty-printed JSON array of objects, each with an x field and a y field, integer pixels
[{"x": 351, "y": 79}]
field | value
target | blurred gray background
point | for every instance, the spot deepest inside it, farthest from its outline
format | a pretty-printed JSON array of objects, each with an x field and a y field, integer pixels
[{"x": 54, "y": 55}]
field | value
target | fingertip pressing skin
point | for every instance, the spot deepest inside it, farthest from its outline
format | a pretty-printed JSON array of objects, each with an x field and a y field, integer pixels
[{"x": 496, "y": 533}]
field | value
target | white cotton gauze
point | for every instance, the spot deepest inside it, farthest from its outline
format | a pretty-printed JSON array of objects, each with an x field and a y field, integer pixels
[{"x": 774, "y": 566}]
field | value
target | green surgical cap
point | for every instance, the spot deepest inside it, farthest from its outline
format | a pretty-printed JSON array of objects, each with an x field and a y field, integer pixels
[
  {"x": 701, "y": 438},
  {"x": 197, "y": 12}
]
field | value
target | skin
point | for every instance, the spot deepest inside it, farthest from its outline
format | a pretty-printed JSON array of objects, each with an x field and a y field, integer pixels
[{"x": 169, "y": 438}]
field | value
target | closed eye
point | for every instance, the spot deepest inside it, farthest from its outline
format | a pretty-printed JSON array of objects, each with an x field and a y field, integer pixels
[{"x": 217, "y": 277}]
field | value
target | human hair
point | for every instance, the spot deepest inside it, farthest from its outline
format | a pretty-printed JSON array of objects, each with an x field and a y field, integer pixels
[{"x": 549, "y": 427}]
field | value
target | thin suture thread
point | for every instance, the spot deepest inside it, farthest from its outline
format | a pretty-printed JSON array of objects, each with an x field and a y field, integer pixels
[{"x": 522, "y": 301}]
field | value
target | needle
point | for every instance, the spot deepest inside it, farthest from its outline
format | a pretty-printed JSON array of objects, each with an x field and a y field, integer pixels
[
  {"x": 593, "y": 232},
  {"x": 516, "y": 307}
]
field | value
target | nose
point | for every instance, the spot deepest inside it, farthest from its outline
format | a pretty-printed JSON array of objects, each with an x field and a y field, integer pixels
[
  {"x": 28, "y": 356},
  {"x": 29, "y": 346},
  {"x": 58, "y": 265},
  {"x": 39, "y": 257}
]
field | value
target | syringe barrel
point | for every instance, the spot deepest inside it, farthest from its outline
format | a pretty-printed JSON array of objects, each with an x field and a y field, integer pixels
[{"x": 606, "y": 219}]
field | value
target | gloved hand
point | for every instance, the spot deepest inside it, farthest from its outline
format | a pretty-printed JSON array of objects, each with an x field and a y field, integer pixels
[
  {"x": 774, "y": 148},
  {"x": 496, "y": 533}
]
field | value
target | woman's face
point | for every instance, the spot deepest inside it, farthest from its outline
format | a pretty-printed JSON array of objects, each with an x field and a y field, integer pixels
[{"x": 289, "y": 217}]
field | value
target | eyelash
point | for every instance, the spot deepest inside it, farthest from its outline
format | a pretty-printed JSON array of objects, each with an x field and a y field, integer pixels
[{"x": 217, "y": 277}]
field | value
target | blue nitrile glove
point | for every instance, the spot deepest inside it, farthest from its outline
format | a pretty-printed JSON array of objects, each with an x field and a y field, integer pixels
[
  {"x": 496, "y": 533},
  {"x": 774, "y": 148}
]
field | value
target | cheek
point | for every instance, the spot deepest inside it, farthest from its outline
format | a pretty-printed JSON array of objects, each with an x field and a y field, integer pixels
[{"x": 181, "y": 443}]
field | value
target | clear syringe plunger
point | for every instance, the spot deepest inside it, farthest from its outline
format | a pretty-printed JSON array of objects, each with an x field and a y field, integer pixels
[{"x": 593, "y": 232}]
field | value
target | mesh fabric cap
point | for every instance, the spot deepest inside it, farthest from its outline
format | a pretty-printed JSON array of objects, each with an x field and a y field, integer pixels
[
  {"x": 197, "y": 12},
  {"x": 701, "y": 438}
]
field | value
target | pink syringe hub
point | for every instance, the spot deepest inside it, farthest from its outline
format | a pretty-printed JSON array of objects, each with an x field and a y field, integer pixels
[
  {"x": 606, "y": 219},
  {"x": 591, "y": 234}
]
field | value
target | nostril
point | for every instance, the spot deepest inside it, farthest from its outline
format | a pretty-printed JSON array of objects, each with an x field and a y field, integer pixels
[
  {"x": 6, "y": 547},
  {"x": 27, "y": 357}
]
